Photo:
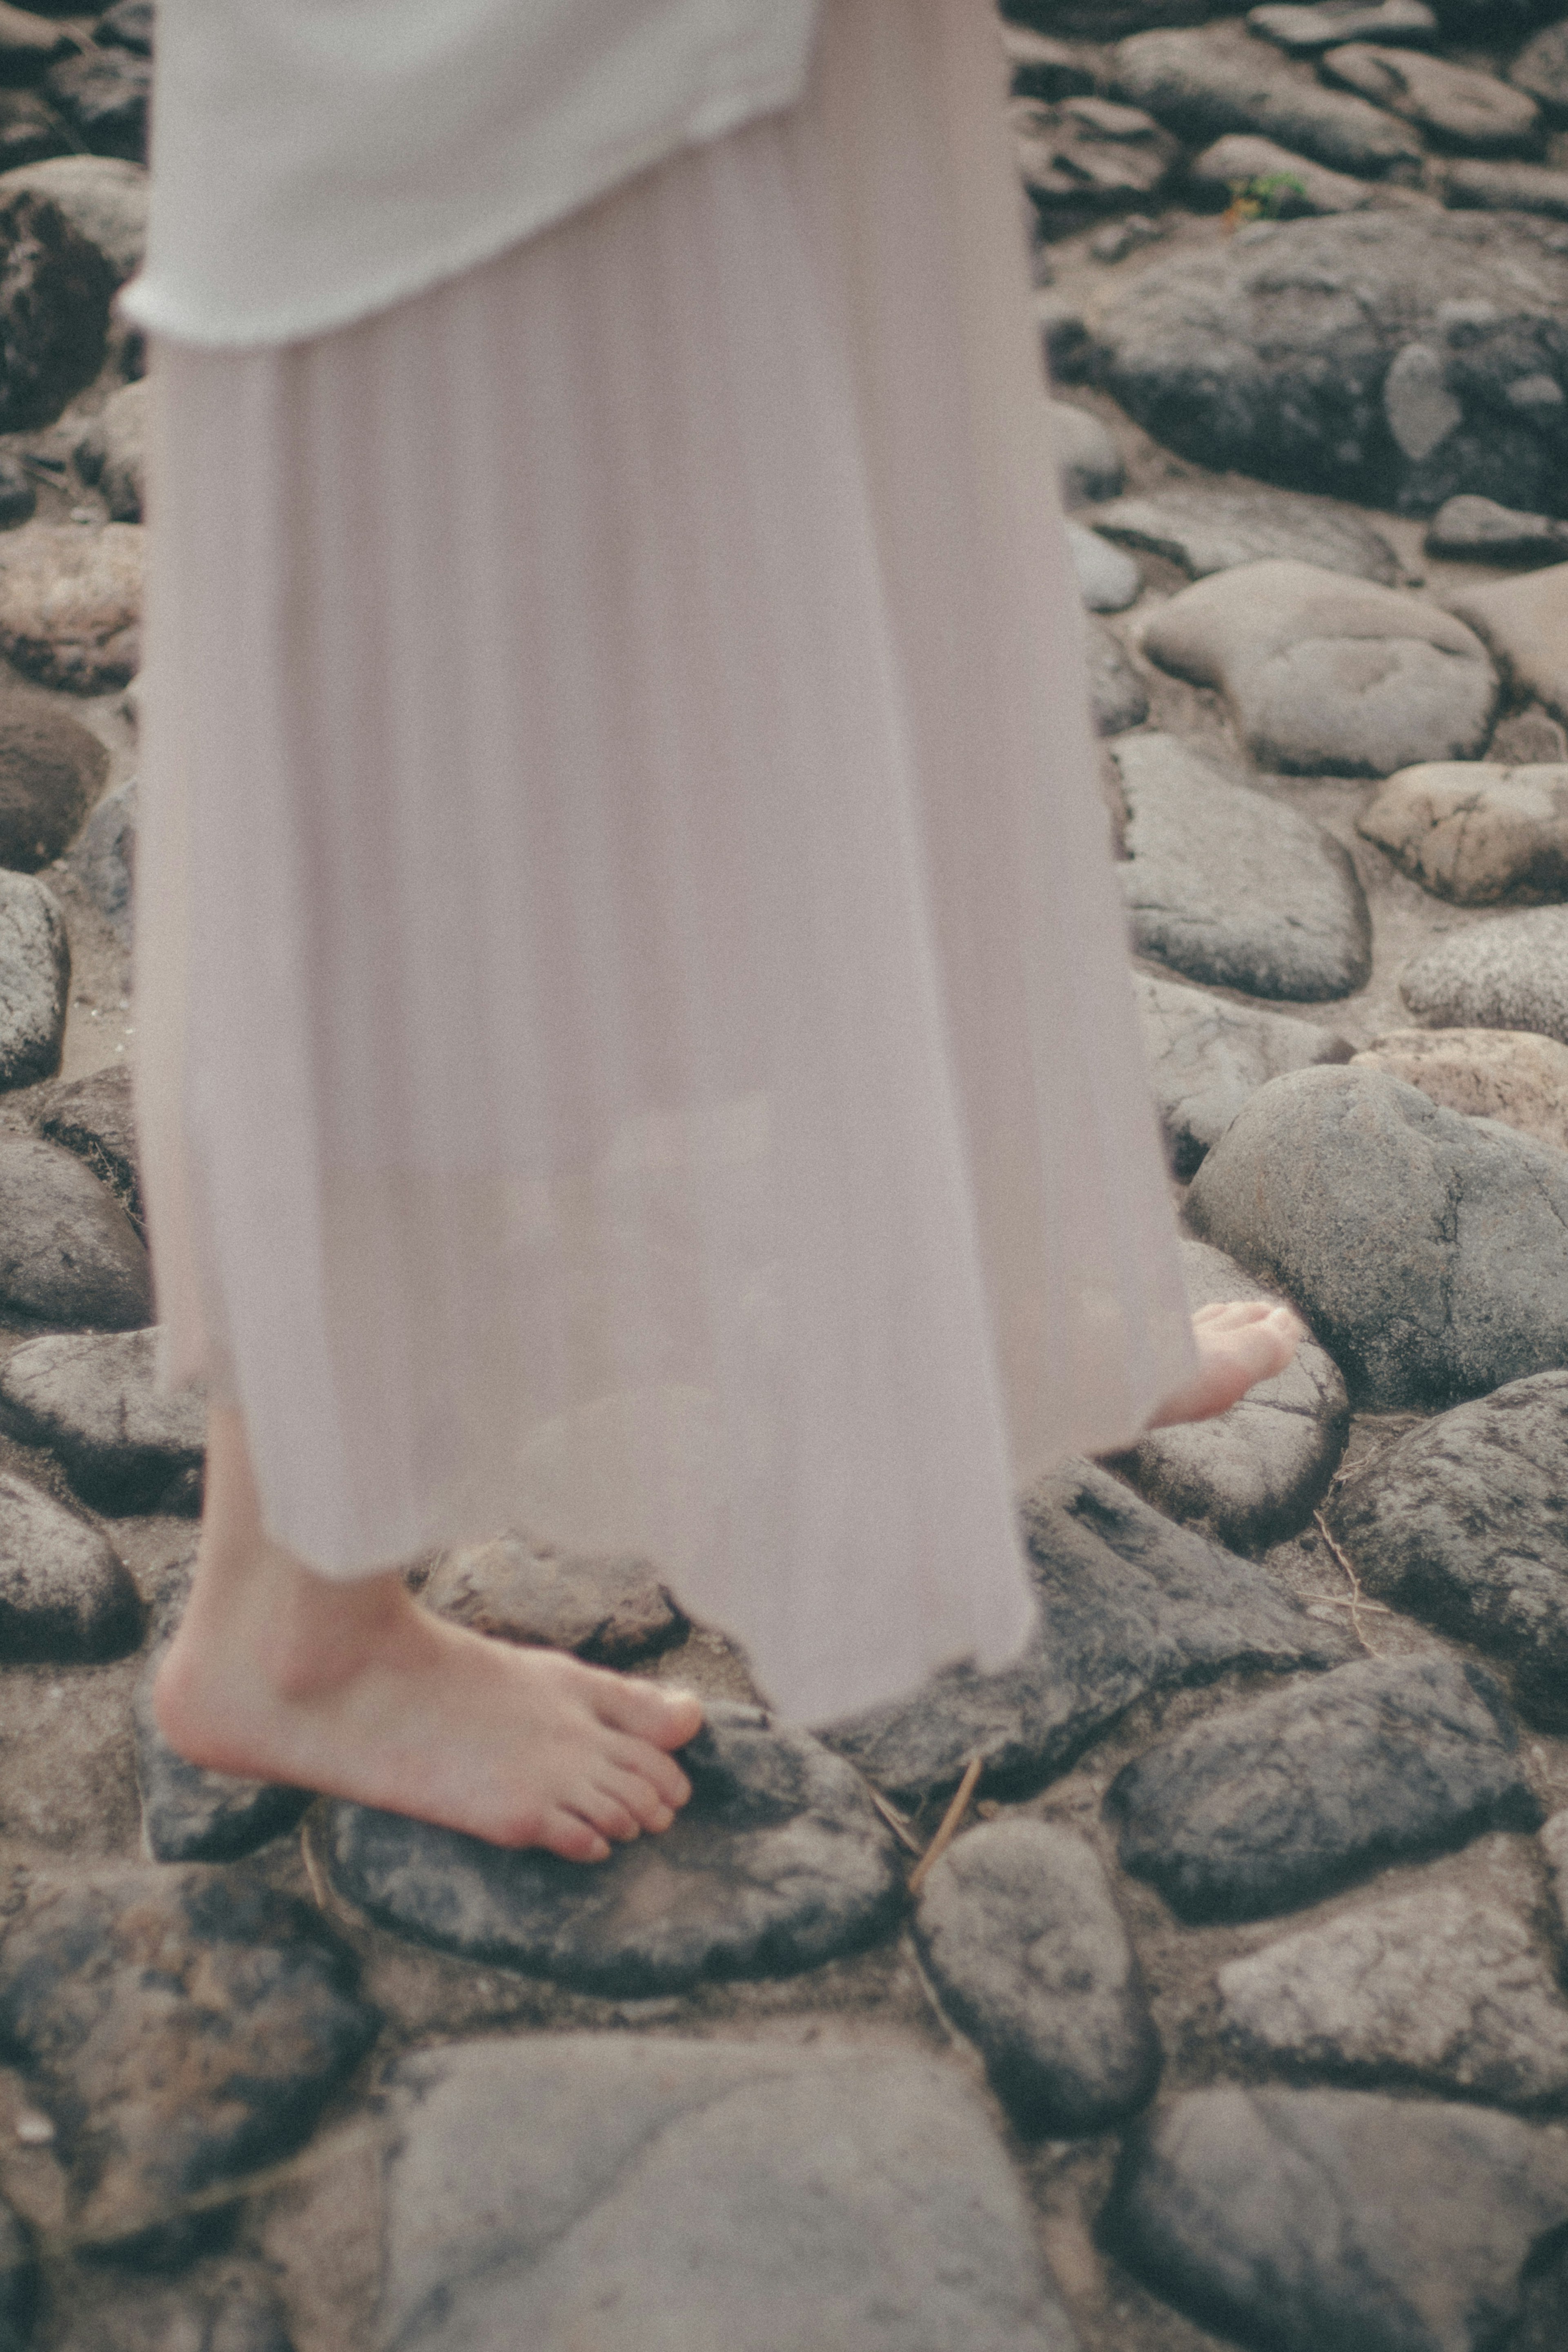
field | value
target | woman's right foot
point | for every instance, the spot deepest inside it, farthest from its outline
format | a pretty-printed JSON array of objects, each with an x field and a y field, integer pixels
[{"x": 1239, "y": 1343}]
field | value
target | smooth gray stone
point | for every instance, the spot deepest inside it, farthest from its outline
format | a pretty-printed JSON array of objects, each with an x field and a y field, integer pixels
[
  {"x": 778, "y": 1863},
  {"x": 103, "y": 197},
  {"x": 1228, "y": 887},
  {"x": 34, "y": 979},
  {"x": 1436, "y": 1987},
  {"x": 1087, "y": 456},
  {"x": 1508, "y": 975},
  {"x": 1541, "y": 70},
  {"x": 1129, "y": 1603},
  {"x": 1272, "y": 354},
  {"x": 1201, "y": 85},
  {"x": 1019, "y": 1931},
  {"x": 1508, "y": 188},
  {"x": 1108, "y": 580},
  {"x": 1253, "y": 1476},
  {"x": 96, "y": 1117},
  {"x": 1266, "y": 1807},
  {"x": 610, "y": 1610},
  {"x": 1340, "y": 2220},
  {"x": 104, "y": 857},
  {"x": 190, "y": 1815},
  {"x": 1086, "y": 157},
  {"x": 112, "y": 453},
  {"x": 1206, "y": 1056},
  {"x": 1428, "y": 1251},
  {"x": 65, "y": 1593},
  {"x": 69, "y": 1253},
  {"x": 55, "y": 293},
  {"x": 1308, "y": 31},
  {"x": 1119, "y": 695},
  {"x": 91, "y": 1398},
  {"x": 1454, "y": 105},
  {"x": 180, "y": 2028},
  {"x": 51, "y": 771},
  {"x": 1464, "y": 1521},
  {"x": 1242, "y": 168},
  {"x": 1481, "y": 531},
  {"x": 1208, "y": 528},
  {"x": 711, "y": 2194}
]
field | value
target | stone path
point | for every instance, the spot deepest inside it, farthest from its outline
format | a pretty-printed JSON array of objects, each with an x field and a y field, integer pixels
[{"x": 1234, "y": 2009}]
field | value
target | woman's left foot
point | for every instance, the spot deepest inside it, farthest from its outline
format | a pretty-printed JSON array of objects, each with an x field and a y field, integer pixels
[{"x": 1239, "y": 1343}]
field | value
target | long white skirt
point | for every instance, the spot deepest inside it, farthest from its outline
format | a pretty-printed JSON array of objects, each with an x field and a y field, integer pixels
[{"x": 635, "y": 1036}]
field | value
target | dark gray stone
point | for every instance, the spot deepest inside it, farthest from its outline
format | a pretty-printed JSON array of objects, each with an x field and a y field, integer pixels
[
  {"x": 1454, "y": 105},
  {"x": 1272, "y": 355},
  {"x": 112, "y": 453},
  {"x": 179, "y": 2028},
  {"x": 1306, "y": 2219},
  {"x": 777, "y": 1863},
  {"x": 103, "y": 95},
  {"x": 92, "y": 1399},
  {"x": 31, "y": 131},
  {"x": 1046, "y": 70},
  {"x": 27, "y": 43},
  {"x": 96, "y": 1119},
  {"x": 1021, "y": 1933},
  {"x": 19, "y": 2284},
  {"x": 129, "y": 25},
  {"x": 1464, "y": 1522},
  {"x": 65, "y": 1593},
  {"x": 855, "y": 2196},
  {"x": 51, "y": 771},
  {"x": 1088, "y": 458},
  {"x": 1086, "y": 157},
  {"x": 1262, "y": 180},
  {"x": 1108, "y": 580},
  {"x": 18, "y": 498},
  {"x": 69, "y": 1253},
  {"x": 1119, "y": 695},
  {"x": 1251, "y": 1477},
  {"x": 55, "y": 290},
  {"x": 1201, "y": 85},
  {"x": 1508, "y": 975},
  {"x": 1428, "y": 1251},
  {"x": 104, "y": 858},
  {"x": 1206, "y": 1056},
  {"x": 103, "y": 197},
  {"x": 1129, "y": 1603},
  {"x": 1208, "y": 528},
  {"x": 34, "y": 979},
  {"x": 1266, "y": 1807},
  {"x": 1102, "y": 20},
  {"x": 1230, "y": 887},
  {"x": 1308, "y": 31},
  {"x": 1480, "y": 530},
  {"x": 190, "y": 1815},
  {"x": 1508, "y": 188},
  {"x": 1436, "y": 1988},
  {"x": 1541, "y": 70},
  {"x": 610, "y": 1610}
]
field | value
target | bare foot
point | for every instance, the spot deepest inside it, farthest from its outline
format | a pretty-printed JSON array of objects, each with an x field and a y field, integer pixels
[
  {"x": 353, "y": 1689},
  {"x": 1239, "y": 1343}
]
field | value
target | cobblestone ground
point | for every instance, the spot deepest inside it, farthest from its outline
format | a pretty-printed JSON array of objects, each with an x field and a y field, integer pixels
[{"x": 1234, "y": 2009}]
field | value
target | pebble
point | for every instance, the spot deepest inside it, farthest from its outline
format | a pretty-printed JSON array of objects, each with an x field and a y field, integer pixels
[
  {"x": 65, "y": 1593},
  {"x": 1086, "y": 157},
  {"x": 1508, "y": 188},
  {"x": 1088, "y": 457},
  {"x": 69, "y": 1253},
  {"x": 179, "y": 2030},
  {"x": 70, "y": 604},
  {"x": 850, "y": 2196},
  {"x": 1250, "y": 1476},
  {"x": 1108, "y": 580},
  {"x": 191, "y": 1814},
  {"x": 1511, "y": 973},
  {"x": 1525, "y": 623},
  {"x": 92, "y": 1399},
  {"x": 1266, "y": 1807},
  {"x": 1327, "y": 676},
  {"x": 1454, "y": 105},
  {"x": 54, "y": 310},
  {"x": 1021, "y": 1933},
  {"x": 103, "y": 95},
  {"x": 111, "y": 452},
  {"x": 1428, "y": 1251},
  {"x": 1118, "y": 694},
  {"x": 1240, "y": 168},
  {"x": 104, "y": 857},
  {"x": 1130, "y": 1603},
  {"x": 1201, "y": 85},
  {"x": 96, "y": 1117},
  {"x": 1475, "y": 833},
  {"x": 1228, "y": 887},
  {"x": 1308, "y": 31},
  {"x": 52, "y": 769},
  {"x": 777, "y": 1863},
  {"x": 1206, "y": 1055},
  {"x": 1512, "y": 1075},
  {"x": 1211, "y": 528},
  {"x": 34, "y": 979},
  {"x": 1480, "y": 530},
  {"x": 1463, "y": 1521},
  {"x": 1541, "y": 70},
  {"x": 611, "y": 1610},
  {"x": 1306, "y": 2219},
  {"x": 1435, "y": 1988},
  {"x": 103, "y": 198}
]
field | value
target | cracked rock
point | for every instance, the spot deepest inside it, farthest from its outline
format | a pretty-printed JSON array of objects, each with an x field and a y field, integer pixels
[
  {"x": 69, "y": 1253},
  {"x": 1512, "y": 1075},
  {"x": 91, "y": 1398},
  {"x": 1508, "y": 975},
  {"x": 1211, "y": 528},
  {"x": 611, "y": 1611},
  {"x": 1020, "y": 1930},
  {"x": 1266, "y": 1807},
  {"x": 65, "y": 1593},
  {"x": 1475, "y": 833},
  {"x": 1454, "y": 105},
  {"x": 1206, "y": 1055}
]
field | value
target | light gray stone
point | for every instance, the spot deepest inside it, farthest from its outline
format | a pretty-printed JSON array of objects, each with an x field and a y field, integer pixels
[
  {"x": 69, "y": 1253},
  {"x": 1305, "y": 2220},
  {"x": 70, "y": 603},
  {"x": 112, "y": 453},
  {"x": 1088, "y": 458},
  {"x": 1326, "y": 674},
  {"x": 1454, "y": 105},
  {"x": 1200, "y": 85},
  {"x": 34, "y": 979},
  {"x": 1267, "y": 180},
  {"x": 104, "y": 198},
  {"x": 1421, "y": 411},
  {"x": 1266, "y": 1807},
  {"x": 1436, "y": 1988},
  {"x": 65, "y": 1593},
  {"x": 95, "y": 1117},
  {"x": 1021, "y": 1933},
  {"x": 1308, "y": 31},
  {"x": 104, "y": 857},
  {"x": 1108, "y": 580},
  {"x": 1508, "y": 188},
  {"x": 1228, "y": 887},
  {"x": 1427, "y": 1251},
  {"x": 92, "y": 1398},
  {"x": 1252, "y": 1476},
  {"x": 1086, "y": 157},
  {"x": 610, "y": 1610},
  {"x": 1511, "y": 973},
  {"x": 706, "y": 2194},
  {"x": 1481, "y": 531},
  {"x": 1118, "y": 694},
  {"x": 1206, "y": 1055},
  {"x": 1512, "y": 1075},
  {"x": 1475, "y": 832},
  {"x": 1208, "y": 528},
  {"x": 1525, "y": 624}
]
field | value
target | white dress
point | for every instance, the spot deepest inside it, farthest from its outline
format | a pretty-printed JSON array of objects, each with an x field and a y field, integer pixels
[{"x": 635, "y": 1038}]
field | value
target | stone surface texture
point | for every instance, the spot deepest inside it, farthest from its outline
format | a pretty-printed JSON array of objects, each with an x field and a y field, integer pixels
[
  {"x": 96, "y": 1117},
  {"x": 1308, "y": 31},
  {"x": 1508, "y": 975},
  {"x": 69, "y": 1253},
  {"x": 34, "y": 979},
  {"x": 609, "y": 1609},
  {"x": 1428, "y": 1251},
  {"x": 55, "y": 290},
  {"x": 1508, "y": 188},
  {"x": 1454, "y": 105},
  {"x": 1214, "y": 528},
  {"x": 65, "y": 1593},
  {"x": 1087, "y": 456},
  {"x": 1475, "y": 833},
  {"x": 191, "y": 1814},
  {"x": 103, "y": 95},
  {"x": 103, "y": 197},
  {"x": 112, "y": 453},
  {"x": 1524, "y": 622},
  {"x": 1479, "y": 529},
  {"x": 1118, "y": 694},
  {"x": 1200, "y": 85},
  {"x": 1541, "y": 70},
  {"x": 52, "y": 769},
  {"x": 1086, "y": 157},
  {"x": 1512, "y": 1075},
  {"x": 1273, "y": 1805},
  {"x": 92, "y": 1398},
  {"x": 1208, "y": 1054},
  {"x": 1240, "y": 167},
  {"x": 1108, "y": 580},
  {"x": 104, "y": 857},
  {"x": 70, "y": 603}
]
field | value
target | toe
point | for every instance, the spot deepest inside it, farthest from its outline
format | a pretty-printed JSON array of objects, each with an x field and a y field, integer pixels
[
  {"x": 640, "y": 1797},
  {"x": 667, "y": 1719},
  {"x": 602, "y": 1804},
  {"x": 574, "y": 1839},
  {"x": 653, "y": 1767}
]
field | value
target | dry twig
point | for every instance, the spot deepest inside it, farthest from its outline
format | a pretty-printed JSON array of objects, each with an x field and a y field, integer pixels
[
  {"x": 949, "y": 1829},
  {"x": 896, "y": 1823},
  {"x": 1358, "y": 1599}
]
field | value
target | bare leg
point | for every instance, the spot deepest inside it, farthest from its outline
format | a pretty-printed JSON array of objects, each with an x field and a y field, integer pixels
[
  {"x": 353, "y": 1689},
  {"x": 1239, "y": 1344}
]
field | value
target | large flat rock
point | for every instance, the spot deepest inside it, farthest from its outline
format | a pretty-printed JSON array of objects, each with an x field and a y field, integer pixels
[
  {"x": 1464, "y": 1522},
  {"x": 1226, "y": 886},
  {"x": 1214, "y": 527},
  {"x": 91, "y": 1397},
  {"x": 1525, "y": 623},
  {"x": 1329, "y": 676},
  {"x": 1427, "y": 1251},
  {"x": 1512, "y": 1075},
  {"x": 710, "y": 2194},
  {"x": 1508, "y": 975},
  {"x": 1474, "y": 832},
  {"x": 1312, "y": 2220},
  {"x": 779, "y": 1862},
  {"x": 1266, "y": 1807},
  {"x": 1129, "y": 1603},
  {"x": 1200, "y": 85}
]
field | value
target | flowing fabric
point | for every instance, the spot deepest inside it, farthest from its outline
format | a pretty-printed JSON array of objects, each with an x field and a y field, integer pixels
[{"x": 635, "y": 1036}]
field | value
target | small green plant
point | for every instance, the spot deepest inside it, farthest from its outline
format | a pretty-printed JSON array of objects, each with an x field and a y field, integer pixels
[{"x": 1263, "y": 198}]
